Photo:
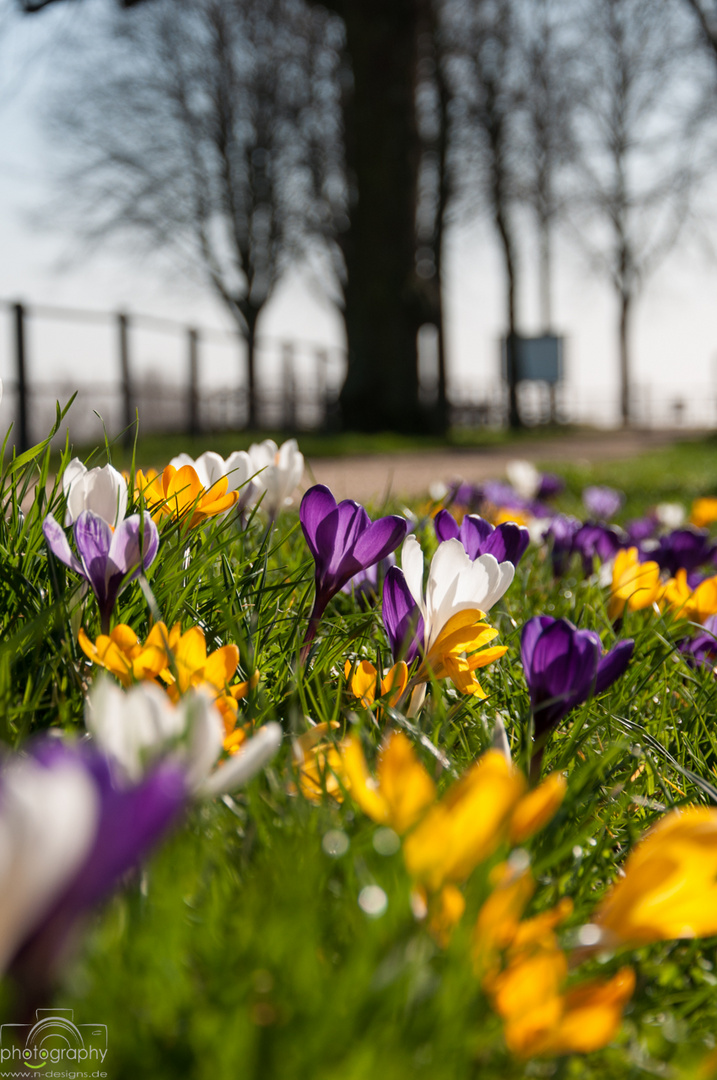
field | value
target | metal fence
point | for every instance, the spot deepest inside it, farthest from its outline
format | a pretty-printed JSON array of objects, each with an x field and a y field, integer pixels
[{"x": 176, "y": 377}]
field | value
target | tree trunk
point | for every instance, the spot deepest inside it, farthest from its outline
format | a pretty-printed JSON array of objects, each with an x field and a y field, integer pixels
[
  {"x": 624, "y": 344},
  {"x": 514, "y": 419},
  {"x": 442, "y": 408},
  {"x": 253, "y": 410},
  {"x": 382, "y": 308},
  {"x": 546, "y": 268}
]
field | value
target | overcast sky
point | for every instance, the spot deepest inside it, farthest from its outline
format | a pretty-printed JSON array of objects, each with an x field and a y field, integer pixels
[{"x": 675, "y": 334}]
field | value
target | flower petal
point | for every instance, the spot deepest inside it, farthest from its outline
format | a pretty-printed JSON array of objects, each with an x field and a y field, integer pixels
[
  {"x": 613, "y": 664},
  {"x": 59, "y": 546},
  {"x": 134, "y": 544},
  {"x": 401, "y": 616},
  {"x": 446, "y": 526},
  {"x": 316, "y": 505},
  {"x": 254, "y": 755}
]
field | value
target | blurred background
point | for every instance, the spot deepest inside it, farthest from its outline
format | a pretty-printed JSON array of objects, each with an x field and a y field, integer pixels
[{"x": 365, "y": 216}]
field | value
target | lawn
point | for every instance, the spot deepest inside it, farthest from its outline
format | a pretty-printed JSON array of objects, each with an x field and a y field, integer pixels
[{"x": 305, "y": 926}]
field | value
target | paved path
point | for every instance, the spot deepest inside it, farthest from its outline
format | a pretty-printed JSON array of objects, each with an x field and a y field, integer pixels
[{"x": 372, "y": 478}]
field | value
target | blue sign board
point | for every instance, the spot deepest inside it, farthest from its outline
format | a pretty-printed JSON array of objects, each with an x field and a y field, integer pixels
[{"x": 538, "y": 359}]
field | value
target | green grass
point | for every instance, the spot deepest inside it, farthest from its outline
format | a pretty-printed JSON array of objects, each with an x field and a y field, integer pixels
[
  {"x": 241, "y": 950},
  {"x": 677, "y": 473},
  {"x": 159, "y": 448}
]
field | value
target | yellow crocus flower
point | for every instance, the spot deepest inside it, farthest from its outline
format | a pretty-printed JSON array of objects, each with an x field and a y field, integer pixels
[
  {"x": 695, "y": 604},
  {"x": 319, "y": 763},
  {"x": 537, "y": 808},
  {"x": 590, "y": 1016},
  {"x": 518, "y": 517},
  {"x": 542, "y": 1020},
  {"x": 459, "y": 650},
  {"x": 362, "y": 681},
  {"x": 703, "y": 512},
  {"x": 635, "y": 585},
  {"x": 446, "y": 911},
  {"x": 669, "y": 888},
  {"x": 455, "y": 833},
  {"x": 526, "y": 994},
  {"x": 466, "y": 825},
  {"x": 122, "y": 653},
  {"x": 499, "y": 917},
  {"x": 179, "y": 493},
  {"x": 540, "y": 1016},
  {"x": 402, "y": 790},
  {"x": 228, "y": 704},
  {"x": 193, "y": 667}
]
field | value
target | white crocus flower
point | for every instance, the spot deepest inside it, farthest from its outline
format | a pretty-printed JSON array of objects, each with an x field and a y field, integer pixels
[
  {"x": 278, "y": 471},
  {"x": 48, "y": 822},
  {"x": 103, "y": 491},
  {"x": 524, "y": 477},
  {"x": 537, "y": 528},
  {"x": 670, "y": 514},
  {"x": 211, "y": 467},
  {"x": 455, "y": 583},
  {"x": 137, "y": 727}
]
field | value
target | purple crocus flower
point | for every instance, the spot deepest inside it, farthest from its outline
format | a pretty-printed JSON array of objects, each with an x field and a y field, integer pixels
[
  {"x": 561, "y": 534},
  {"x": 602, "y": 502},
  {"x": 73, "y": 832},
  {"x": 701, "y": 650},
  {"x": 550, "y": 485},
  {"x": 593, "y": 540},
  {"x": 465, "y": 495},
  {"x": 683, "y": 549},
  {"x": 563, "y": 667},
  {"x": 108, "y": 560},
  {"x": 343, "y": 540},
  {"x": 507, "y": 541},
  {"x": 640, "y": 529},
  {"x": 401, "y": 617},
  {"x": 502, "y": 494}
]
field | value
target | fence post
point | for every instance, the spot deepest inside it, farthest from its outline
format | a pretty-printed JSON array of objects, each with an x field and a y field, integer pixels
[
  {"x": 23, "y": 435},
  {"x": 322, "y": 386},
  {"x": 287, "y": 364},
  {"x": 127, "y": 405},
  {"x": 193, "y": 388}
]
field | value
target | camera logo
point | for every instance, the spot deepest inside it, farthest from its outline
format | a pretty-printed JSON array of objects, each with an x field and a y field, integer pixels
[{"x": 52, "y": 1039}]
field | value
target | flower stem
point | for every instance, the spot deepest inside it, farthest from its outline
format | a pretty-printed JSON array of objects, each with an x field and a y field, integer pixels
[{"x": 314, "y": 620}]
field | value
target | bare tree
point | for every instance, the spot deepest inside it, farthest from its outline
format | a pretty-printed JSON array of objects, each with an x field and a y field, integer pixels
[
  {"x": 706, "y": 14},
  {"x": 641, "y": 156},
  {"x": 548, "y": 53},
  {"x": 210, "y": 129},
  {"x": 31, "y": 7},
  {"x": 434, "y": 189},
  {"x": 487, "y": 90}
]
